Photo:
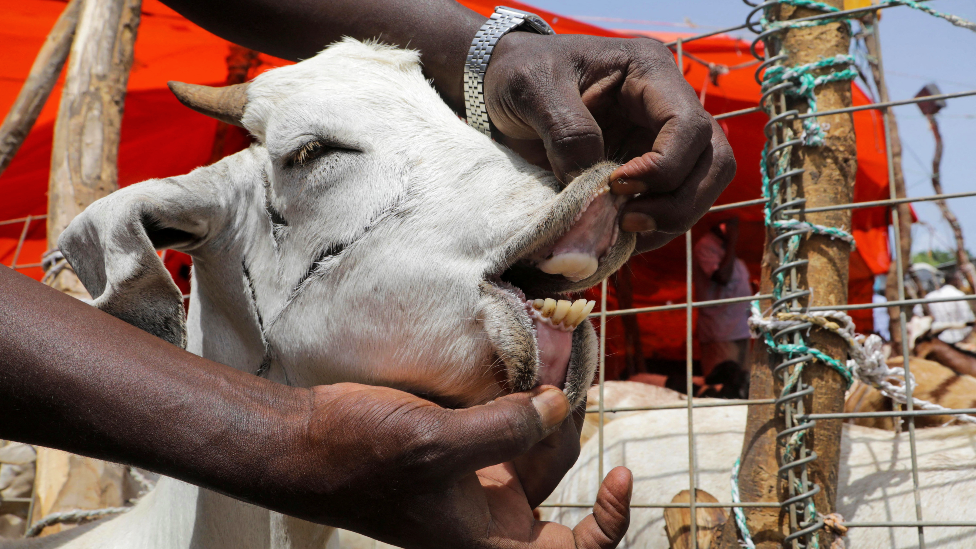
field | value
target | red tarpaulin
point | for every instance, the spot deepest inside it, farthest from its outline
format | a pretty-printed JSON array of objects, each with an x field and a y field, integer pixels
[{"x": 162, "y": 138}]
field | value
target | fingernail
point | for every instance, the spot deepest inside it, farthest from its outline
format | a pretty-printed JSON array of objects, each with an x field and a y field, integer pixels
[
  {"x": 636, "y": 222},
  {"x": 552, "y": 406},
  {"x": 628, "y": 186}
]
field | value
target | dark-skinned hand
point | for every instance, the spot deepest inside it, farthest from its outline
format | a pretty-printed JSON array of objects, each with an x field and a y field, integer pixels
[
  {"x": 566, "y": 102},
  {"x": 427, "y": 476}
]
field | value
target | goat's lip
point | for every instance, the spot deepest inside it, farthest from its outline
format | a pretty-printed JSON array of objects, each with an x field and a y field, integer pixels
[
  {"x": 554, "y": 323},
  {"x": 565, "y": 246},
  {"x": 582, "y": 219}
]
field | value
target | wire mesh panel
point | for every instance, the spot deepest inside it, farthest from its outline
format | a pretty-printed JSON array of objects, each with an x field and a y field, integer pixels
[{"x": 801, "y": 525}]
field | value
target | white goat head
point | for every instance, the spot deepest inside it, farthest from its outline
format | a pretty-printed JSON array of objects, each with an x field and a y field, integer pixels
[{"x": 369, "y": 236}]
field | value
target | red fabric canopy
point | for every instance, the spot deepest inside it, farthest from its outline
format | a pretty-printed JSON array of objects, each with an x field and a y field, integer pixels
[
  {"x": 659, "y": 276},
  {"x": 162, "y": 138}
]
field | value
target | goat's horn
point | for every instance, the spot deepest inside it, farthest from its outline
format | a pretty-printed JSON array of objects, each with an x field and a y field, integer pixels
[{"x": 225, "y": 104}]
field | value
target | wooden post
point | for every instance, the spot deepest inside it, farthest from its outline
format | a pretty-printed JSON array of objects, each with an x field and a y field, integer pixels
[
  {"x": 963, "y": 263},
  {"x": 828, "y": 179},
  {"x": 710, "y": 521},
  {"x": 83, "y": 169},
  {"x": 84, "y": 155},
  {"x": 904, "y": 227},
  {"x": 43, "y": 75}
]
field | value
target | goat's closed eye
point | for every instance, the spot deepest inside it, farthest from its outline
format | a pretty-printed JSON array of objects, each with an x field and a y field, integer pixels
[
  {"x": 312, "y": 150},
  {"x": 306, "y": 153}
]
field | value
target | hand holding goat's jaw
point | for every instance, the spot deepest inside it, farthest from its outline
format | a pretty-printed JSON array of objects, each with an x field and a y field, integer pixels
[
  {"x": 583, "y": 99},
  {"x": 427, "y": 476}
]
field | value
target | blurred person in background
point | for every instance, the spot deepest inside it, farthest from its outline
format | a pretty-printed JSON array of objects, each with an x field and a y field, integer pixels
[{"x": 723, "y": 330}]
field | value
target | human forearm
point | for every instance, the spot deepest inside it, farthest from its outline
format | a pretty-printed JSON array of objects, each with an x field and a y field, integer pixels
[
  {"x": 74, "y": 378},
  {"x": 441, "y": 30},
  {"x": 77, "y": 379}
]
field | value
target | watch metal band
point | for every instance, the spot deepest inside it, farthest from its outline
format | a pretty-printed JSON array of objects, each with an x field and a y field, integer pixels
[{"x": 503, "y": 21}]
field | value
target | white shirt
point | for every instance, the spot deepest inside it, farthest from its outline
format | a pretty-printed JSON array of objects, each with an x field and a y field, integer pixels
[
  {"x": 722, "y": 322},
  {"x": 882, "y": 322},
  {"x": 949, "y": 311}
]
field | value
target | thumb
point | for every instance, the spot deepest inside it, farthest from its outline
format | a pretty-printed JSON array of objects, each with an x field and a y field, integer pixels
[
  {"x": 605, "y": 528},
  {"x": 499, "y": 431},
  {"x": 572, "y": 137}
]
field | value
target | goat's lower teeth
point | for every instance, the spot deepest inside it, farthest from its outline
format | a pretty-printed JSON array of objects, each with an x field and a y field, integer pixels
[
  {"x": 562, "y": 314},
  {"x": 562, "y": 307},
  {"x": 548, "y": 307},
  {"x": 574, "y": 312}
]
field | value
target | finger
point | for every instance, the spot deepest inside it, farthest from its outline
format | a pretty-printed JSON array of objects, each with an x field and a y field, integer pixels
[
  {"x": 464, "y": 441},
  {"x": 685, "y": 132},
  {"x": 573, "y": 139},
  {"x": 674, "y": 213},
  {"x": 606, "y": 527}
]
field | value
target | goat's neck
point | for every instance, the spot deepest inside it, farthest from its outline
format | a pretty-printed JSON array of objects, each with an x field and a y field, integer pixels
[{"x": 221, "y": 327}]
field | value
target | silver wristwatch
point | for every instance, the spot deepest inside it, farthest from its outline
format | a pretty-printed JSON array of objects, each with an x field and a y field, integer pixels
[{"x": 503, "y": 21}]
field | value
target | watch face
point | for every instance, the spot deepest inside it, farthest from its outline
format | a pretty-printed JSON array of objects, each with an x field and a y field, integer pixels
[
  {"x": 531, "y": 20},
  {"x": 538, "y": 24}
]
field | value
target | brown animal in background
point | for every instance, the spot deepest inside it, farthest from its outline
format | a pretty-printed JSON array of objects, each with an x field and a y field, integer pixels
[
  {"x": 935, "y": 383},
  {"x": 960, "y": 361}
]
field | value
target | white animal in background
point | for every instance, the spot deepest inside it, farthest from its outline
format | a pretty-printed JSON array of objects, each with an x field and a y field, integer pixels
[
  {"x": 369, "y": 236},
  {"x": 875, "y": 480},
  {"x": 623, "y": 394}
]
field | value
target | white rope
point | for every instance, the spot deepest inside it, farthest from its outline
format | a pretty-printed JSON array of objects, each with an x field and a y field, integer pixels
[
  {"x": 867, "y": 361},
  {"x": 78, "y": 515},
  {"x": 53, "y": 262},
  {"x": 145, "y": 485}
]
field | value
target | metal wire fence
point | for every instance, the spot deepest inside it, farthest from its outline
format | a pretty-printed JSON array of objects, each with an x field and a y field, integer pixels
[
  {"x": 909, "y": 414},
  {"x": 602, "y": 316}
]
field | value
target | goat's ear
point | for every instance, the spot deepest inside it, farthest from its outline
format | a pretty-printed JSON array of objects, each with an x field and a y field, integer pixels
[{"x": 112, "y": 248}]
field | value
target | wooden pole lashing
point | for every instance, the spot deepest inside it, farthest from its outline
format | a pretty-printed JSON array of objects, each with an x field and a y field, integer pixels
[
  {"x": 40, "y": 81},
  {"x": 828, "y": 179},
  {"x": 84, "y": 155},
  {"x": 964, "y": 265}
]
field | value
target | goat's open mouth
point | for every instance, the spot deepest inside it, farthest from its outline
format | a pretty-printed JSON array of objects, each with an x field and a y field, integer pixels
[{"x": 573, "y": 245}]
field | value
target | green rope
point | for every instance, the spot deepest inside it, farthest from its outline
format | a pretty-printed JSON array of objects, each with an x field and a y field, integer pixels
[
  {"x": 954, "y": 19},
  {"x": 804, "y": 84},
  {"x": 740, "y": 517},
  {"x": 805, "y": 79}
]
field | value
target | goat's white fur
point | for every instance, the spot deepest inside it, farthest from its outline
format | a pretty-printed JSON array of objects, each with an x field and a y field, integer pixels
[{"x": 424, "y": 211}]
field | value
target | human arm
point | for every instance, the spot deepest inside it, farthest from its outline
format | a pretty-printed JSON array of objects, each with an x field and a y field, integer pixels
[
  {"x": 730, "y": 238},
  {"x": 74, "y": 378},
  {"x": 564, "y": 102}
]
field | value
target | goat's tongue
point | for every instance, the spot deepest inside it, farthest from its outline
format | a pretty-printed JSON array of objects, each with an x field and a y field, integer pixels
[
  {"x": 577, "y": 254},
  {"x": 555, "y": 346},
  {"x": 554, "y": 324}
]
